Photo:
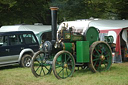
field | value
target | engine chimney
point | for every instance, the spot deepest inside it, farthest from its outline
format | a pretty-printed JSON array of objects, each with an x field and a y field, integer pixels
[{"x": 54, "y": 21}]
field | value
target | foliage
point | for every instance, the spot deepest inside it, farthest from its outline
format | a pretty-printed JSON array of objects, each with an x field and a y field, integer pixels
[
  {"x": 70, "y": 9},
  {"x": 5, "y": 10},
  {"x": 122, "y": 6},
  {"x": 25, "y": 11},
  {"x": 32, "y": 11}
]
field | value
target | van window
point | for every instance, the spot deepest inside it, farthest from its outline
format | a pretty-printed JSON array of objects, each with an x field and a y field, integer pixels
[
  {"x": 29, "y": 38},
  {"x": 15, "y": 39},
  {"x": 1, "y": 40},
  {"x": 4, "y": 41}
]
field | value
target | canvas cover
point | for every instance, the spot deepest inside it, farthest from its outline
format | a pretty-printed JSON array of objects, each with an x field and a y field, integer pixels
[{"x": 109, "y": 24}]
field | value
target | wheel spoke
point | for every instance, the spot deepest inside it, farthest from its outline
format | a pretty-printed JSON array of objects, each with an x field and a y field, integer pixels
[
  {"x": 96, "y": 56},
  {"x": 102, "y": 51},
  {"x": 38, "y": 61},
  {"x": 46, "y": 68},
  {"x": 58, "y": 66},
  {"x": 69, "y": 64},
  {"x": 66, "y": 71},
  {"x": 37, "y": 68},
  {"x": 97, "y": 51},
  {"x": 104, "y": 63},
  {"x": 61, "y": 71},
  {"x": 96, "y": 59},
  {"x": 43, "y": 70},
  {"x": 65, "y": 58},
  {"x": 68, "y": 59},
  {"x": 103, "y": 48},
  {"x": 107, "y": 55},
  {"x": 41, "y": 59},
  {"x": 95, "y": 63},
  {"x": 99, "y": 66}
]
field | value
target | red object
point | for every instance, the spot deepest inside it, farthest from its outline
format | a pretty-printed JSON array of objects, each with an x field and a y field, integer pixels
[{"x": 118, "y": 48}]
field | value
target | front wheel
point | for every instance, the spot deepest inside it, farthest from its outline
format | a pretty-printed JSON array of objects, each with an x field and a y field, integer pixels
[
  {"x": 100, "y": 56},
  {"x": 63, "y": 65},
  {"x": 40, "y": 65}
]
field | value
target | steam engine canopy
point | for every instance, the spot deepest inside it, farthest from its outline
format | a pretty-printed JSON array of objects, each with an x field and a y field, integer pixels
[{"x": 91, "y": 34}]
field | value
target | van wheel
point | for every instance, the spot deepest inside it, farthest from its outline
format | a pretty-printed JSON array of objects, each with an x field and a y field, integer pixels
[{"x": 26, "y": 60}]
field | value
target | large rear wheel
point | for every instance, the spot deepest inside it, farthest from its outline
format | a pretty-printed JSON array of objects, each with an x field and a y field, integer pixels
[
  {"x": 63, "y": 65},
  {"x": 100, "y": 56}
]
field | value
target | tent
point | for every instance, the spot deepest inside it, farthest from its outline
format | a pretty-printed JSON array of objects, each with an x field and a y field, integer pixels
[
  {"x": 116, "y": 28},
  {"x": 119, "y": 30}
]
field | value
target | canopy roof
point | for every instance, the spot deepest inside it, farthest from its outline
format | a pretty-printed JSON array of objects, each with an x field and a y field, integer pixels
[
  {"x": 83, "y": 25},
  {"x": 109, "y": 24}
]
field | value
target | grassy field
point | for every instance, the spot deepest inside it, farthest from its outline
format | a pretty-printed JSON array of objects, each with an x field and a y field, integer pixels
[{"x": 14, "y": 75}]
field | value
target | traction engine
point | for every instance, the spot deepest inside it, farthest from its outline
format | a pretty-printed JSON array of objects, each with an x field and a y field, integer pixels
[{"x": 71, "y": 47}]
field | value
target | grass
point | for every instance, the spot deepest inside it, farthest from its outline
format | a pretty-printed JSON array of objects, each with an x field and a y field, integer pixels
[{"x": 14, "y": 75}]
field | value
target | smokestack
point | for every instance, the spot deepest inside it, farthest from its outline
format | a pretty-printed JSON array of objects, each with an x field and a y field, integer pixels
[{"x": 54, "y": 21}]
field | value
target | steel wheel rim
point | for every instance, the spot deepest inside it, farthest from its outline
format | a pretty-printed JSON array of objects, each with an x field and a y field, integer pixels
[
  {"x": 40, "y": 66},
  {"x": 101, "y": 57},
  {"x": 27, "y": 61},
  {"x": 65, "y": 67}
]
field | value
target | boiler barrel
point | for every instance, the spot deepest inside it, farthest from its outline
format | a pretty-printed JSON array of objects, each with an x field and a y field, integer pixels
[{"x": 90, "y": 34}]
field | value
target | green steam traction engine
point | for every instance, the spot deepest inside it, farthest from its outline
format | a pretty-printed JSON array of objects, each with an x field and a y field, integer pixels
[{"x": 71, "y": 49}]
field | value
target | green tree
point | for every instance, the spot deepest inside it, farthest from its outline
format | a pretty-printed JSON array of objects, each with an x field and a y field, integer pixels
[
  {"x": 31, "y": 11},
  {"x": 84, "y": 9},
  {"x": 122, "y": 6},
  {"x": 5, "y": 17},
  {"x": 24, "y": 11},
  {"x": 70, "y": 9}
]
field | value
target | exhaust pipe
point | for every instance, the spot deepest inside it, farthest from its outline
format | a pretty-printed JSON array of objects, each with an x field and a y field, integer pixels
[{"x": 54, "y": 22}]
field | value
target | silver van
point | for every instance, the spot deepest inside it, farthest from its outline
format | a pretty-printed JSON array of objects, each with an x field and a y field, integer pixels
[{"x": 17, "y": 47}]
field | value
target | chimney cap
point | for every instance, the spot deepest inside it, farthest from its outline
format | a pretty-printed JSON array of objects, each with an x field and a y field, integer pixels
[{"x": 54, "y": 8}]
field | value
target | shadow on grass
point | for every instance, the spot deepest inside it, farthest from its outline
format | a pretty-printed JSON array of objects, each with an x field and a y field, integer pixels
[
  {"x": 114, "y": 68},
  {"x": 82, "y": 72},
  {"x": 87, "y": 71},
  {"x": 9, "y": 67}
]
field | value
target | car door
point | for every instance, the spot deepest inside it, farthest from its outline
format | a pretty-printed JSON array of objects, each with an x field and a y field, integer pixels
[
  {"x": 4, "y": 50},
  {"x": 15, "y": 41},
  {"x": 10, "y": 49}
]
